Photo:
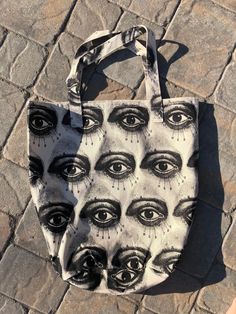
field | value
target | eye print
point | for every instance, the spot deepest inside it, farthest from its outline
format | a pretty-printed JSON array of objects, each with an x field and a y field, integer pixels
[
  {"x": 71, "y": 168},
  {"x": 165, "y": 261},
  {"x": 149, "y": 212},
  {"x": 35, "y": 170},
  {"x": 180, "y": 116},
  {"x": 130, "y": 118},
  {"x": 92, "y": 119},
  {"x": 193, "y": 160},
  {"x": 88, "y": 263},
  {"x": 185, "y": 209},
  {"x": 128, "y": 268},
  {"x": 103, "y": 214},
  {"x": 56, "y": 216}
]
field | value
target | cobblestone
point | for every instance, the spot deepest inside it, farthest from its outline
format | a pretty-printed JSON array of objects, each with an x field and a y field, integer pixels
[
  {"x": 228, "y": 4},
  {"x": 29, "y": 279},
  {"x": 29, "y": 234},
  {"x": 8, "y": 306},
  {"x": 5, "y": 231},
  {"x": 194, "y": 59},
  {"x": 218, "y": 298},
  {"x": 14, "y": 192},
  {"x": 40, "y": 20},
  {"x": 229, "y": 246},
  {"x": 14, "y": 98},
  {"x": 122, "y": 3},
  {"x": 20, "y": 60},
  {"x": 89, "y": 16}
]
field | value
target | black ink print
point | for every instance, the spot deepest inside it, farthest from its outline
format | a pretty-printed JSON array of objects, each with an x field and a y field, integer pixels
[
  {"x": 130, "y": 118},
  {"x": 179, "y": 116},
  {"x": 193, "y": 160},
  {"x": 128, "y": 268},
  {"x": 71, "y": 168},
  {"x": 35, "y": 169},
  {"x": 102, "y": 213},
  {"x": 89, "y": 263},
  {"x": 166, "y": 261},
  {"x": 56, "y": 216},
  {"x": 163, "y": 164},
  {"x": 149, "y": 212},
  {"x": 185, "y": 209},
  {"x": 116, "y": 165},
  {"x": 92, "y": 120}
]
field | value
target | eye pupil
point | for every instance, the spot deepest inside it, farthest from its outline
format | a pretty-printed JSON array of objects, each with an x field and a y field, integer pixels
[
  {"x": 71, "y": 169},
  {"x": 163, "y": 166},
  {"x": 57, "y": 220},
  {"x": 148, "y": 213},
  {"x": 117, "y": 167},
  {"x": 134, "y": 264},
  {"x": 177, "y": 117},
  {"x": 126, "y": 277},
  {"x": 90, "y": 261},
  {"x": 102, "y": 215},
  {"x": 130, "y": 119},
  {"x": 86, "y": 122}
]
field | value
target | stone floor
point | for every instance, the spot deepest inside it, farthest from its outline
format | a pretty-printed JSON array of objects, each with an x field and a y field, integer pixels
[{"x": 196, "y": 41}]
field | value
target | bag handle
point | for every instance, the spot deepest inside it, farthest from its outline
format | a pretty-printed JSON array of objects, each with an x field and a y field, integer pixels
[{"x": 102, "y": 44}]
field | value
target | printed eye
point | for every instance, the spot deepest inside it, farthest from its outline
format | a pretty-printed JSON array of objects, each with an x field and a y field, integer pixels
[
  {"x": 57, "y": 220},
  {"x": 72, "y": 172},
  {"x": 135, "y": 264},
  {"x": 180, "y": 117},
  {"x": 89, "y": 123},
  {"x": 88, "y": 262},
  {"x": 35, "y": 169},
  {"x": 92, "y": 119},
  {"x": 74, "y": 89},
  {"x": 103, "y": 216},
  {"x": 130, "y": 118},
  {"x": 185, "y": 209},
  {"x": 149, "y": 212},
  {"x": 165, "y": 261},
  {"x": 116, "y": 165},
  {"x": 41, "y": 120},
  {"x": 124, "y": 277}
]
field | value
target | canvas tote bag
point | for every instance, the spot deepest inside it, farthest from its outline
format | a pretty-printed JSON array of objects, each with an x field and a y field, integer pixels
[{"x": 114, "y": 182}]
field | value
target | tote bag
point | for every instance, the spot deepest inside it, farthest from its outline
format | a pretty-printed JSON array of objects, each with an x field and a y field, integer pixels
[{"x": 114, "y": 182}]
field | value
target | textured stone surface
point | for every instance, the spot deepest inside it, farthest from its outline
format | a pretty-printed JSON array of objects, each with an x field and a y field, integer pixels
[
  {"x": 198, "y": 310},
  {"x": 101, "y": 88},
  {"x": 51, "y": 83},
  {"x": 16, "y": 146},
  {"x": 228, "y": 4},
  {"x": 11, "y": 102},
  {"x": 218, "y": 298},
  {"x": 229, "y": 246},
  {"x": 226, "y": 91},
  {"x": 90, "y": 16},
  {"x": 195, "y": 58},
  {"x": 157, "y": 11},
  {"x": 40, "y": 20},
  {"x": 84, "y": 301},
  {"x": 14, "y": 192},
  {"x": 8, "y": 306},
  {"x": 28, "y": 233},
  {"x": 122, "y": 3},
  {"x": 172, "y": 296},
  {"x": 3, "y": 33},
  {"x": 5, "y": 230},
  {"x": 20, "y": 60},
  {"x": 204, "y": 241},
  {"x": 30, "y": 280}
]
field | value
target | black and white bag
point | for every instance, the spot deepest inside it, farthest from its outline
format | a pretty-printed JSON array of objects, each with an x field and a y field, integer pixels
[{"x": 114, "y": 182}]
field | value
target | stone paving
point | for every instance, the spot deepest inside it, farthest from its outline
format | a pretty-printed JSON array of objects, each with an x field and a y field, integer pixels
[{"x": 196, "y": 38}]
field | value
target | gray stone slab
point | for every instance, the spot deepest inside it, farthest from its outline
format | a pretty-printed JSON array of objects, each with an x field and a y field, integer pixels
[
  {"x": 11, "y": 102},
  {"x": 201, "y": 37},
  {"x": 8, "y": 306},
  {"x": 28, "y": 233},
  {"x": 41, "y": 20},
  {"x": 175, "y": 295},
  {"x": 20, "y": 60},
  {"x": 229, "y": 247},
  {"x": 204, "y": 241},
  {"x": 90, "y": 16},
  {"x": 14, "y": 192},
  {"x": 3, "y": 34},
  {"x": 226, "y": 90},
  {"x": 156, "y": 11},
  {"x": 5, "y": 230},
  {"x": 51, "y": 83},
  {"x": 30, "y": 280},
  {"x": 198, "y": 310},
  {"x": 228, "y": 4},
  {"x": 218, "y": 298},
  {"x": 122, "y": 3},
  {"x": 84, "y": 301}
]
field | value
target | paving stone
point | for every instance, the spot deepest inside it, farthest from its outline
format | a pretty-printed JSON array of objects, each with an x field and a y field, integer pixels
[
  {"x": 30, "y": 280},
  {"x": 8, "y": 306},
  {"x": 33, "y": 312},
  {"x": 3, "y": 33},
  {"x": 229, "y": 247},
  {"x": 28, "y": 233},
  {"x": 198, "y": 310},
  {"x": 156, "y": 11},
  {"x": 228, "y": 4},
  {"x": 195, "y": 59},
  {"x": 40, "y": 20},
  {"x": 86, "y": 301},
  {"x": 11, "y": 102},
  {"x": 90, "y": 16},
  {"x": 51, "y": 83},
  {"x": 204, "y": 241},
  {"x": 218, "y": 298},
  {"x": 122, "y": 3},
  {"x": 102, "y": 88},
  {"x": 5, "y": 231},
  {"x": 20, "y": 60},
  {"x": 226, "y": 91},
  {"x": 172, "y": 296},
  {"x": 14, "y": 192}
]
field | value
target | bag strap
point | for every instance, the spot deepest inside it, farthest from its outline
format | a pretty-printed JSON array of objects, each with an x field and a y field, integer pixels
[{"x": 102, "y": 44}]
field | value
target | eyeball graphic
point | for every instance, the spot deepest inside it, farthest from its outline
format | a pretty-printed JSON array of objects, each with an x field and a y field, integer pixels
[
  {"x": 35, "y": 170},
  {"x": 92, "y": 120},
  {"x": 180, "y": 116},
  {"x": 165, "y": 261},
  {"x": 185, "y": 209}
]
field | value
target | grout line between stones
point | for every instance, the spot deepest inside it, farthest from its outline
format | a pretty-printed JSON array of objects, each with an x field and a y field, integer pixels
[
  {"x": 25, "y": 307},
  {"x": 62, "y": 298}
]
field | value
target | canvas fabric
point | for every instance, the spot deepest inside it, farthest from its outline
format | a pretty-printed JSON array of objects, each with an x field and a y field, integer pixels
[{"x": 114, "y": 182}]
